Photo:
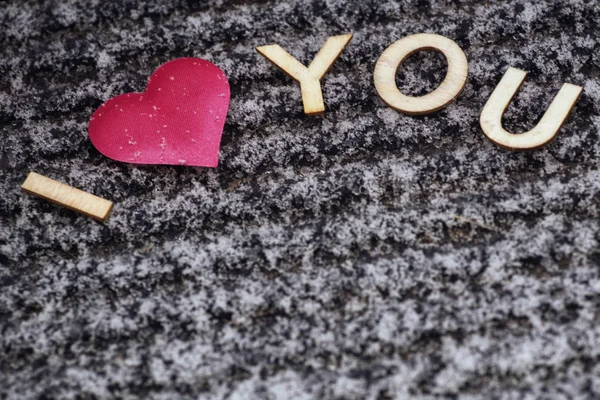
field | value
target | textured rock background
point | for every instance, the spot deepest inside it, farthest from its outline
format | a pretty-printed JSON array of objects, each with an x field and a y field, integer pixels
[{"x": 362, "y": 254}]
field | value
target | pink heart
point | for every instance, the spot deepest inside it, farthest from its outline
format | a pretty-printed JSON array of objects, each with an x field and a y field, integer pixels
[{"x": 179, "y": 119}]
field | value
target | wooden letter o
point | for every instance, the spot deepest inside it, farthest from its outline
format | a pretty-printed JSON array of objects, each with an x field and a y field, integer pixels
[{"x": 392, "y": 58}]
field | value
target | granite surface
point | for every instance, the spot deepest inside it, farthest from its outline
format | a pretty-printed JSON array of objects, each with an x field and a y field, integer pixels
[{"x": 360, "y": 254}]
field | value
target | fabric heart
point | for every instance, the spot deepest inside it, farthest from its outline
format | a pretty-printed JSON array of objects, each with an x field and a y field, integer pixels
[{"x": 179, "y": 119}]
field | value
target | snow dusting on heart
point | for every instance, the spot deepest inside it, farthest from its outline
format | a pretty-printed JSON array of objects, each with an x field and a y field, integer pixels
[{"x": 178, "y": 120}]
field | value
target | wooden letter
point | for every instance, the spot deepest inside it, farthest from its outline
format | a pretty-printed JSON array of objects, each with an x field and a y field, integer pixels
[
  {"x": 546, "y": 129},
  {"x": 310, "y": 77},
  {"x": 392, "y": 58},
  {"x": 67, "y": 196}
]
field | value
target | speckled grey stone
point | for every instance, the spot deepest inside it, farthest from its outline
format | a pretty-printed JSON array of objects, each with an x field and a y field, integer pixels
[{"x": 360, "y": 254}]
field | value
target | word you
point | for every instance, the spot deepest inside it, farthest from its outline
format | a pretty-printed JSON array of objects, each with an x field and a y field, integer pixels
[{"x": 384, "y": 78}]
